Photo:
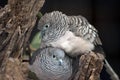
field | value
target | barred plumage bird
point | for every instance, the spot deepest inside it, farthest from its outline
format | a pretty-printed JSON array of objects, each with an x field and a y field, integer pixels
[
  {"x": 74, "y": 34},
  {"x": 65, "y": 32},
  {"x": 51, "y": 64}
]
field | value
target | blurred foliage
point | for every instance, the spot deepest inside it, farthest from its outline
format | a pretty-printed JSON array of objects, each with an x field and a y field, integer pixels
[
  {"x": 39, "y": 15},
  {"x": 35, "y": 43}
]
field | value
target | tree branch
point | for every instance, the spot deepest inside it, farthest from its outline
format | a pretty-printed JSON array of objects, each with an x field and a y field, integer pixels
[
  {"x": 17, "y": 20},
  {"x": 90, "y": 66}
]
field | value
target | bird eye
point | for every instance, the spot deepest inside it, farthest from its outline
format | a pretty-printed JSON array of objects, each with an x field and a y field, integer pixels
[
  {"x": 46, "y": 26},
  {"x": 53, "y": 56}
]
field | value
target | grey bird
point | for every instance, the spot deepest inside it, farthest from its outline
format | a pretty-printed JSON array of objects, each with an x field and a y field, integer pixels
[
  {"x": 51, "y": 64},
  {"x": 74, "y": 34}
]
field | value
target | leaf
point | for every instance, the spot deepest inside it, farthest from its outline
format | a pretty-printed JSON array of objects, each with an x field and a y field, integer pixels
[{"x": 35, "y": 43}]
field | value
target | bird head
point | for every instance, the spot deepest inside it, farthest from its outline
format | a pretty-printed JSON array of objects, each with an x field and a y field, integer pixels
[
  {"x": 52, "y": 26},
  {"x": 57, "y": 55},
  {"x": 51, "y": 63}
]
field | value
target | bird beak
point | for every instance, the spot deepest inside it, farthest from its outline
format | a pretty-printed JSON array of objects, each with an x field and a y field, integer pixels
[
  {"x": 60, "y": 61},
  {"x": 42, "y": 33}
]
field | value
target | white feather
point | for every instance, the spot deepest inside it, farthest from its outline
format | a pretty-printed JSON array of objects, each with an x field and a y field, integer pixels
[{"x": 73, "y": 44}]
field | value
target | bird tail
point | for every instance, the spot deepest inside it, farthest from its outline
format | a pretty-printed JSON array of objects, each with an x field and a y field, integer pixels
[
  {"x": 108, "y": 68},
  {"x": 110, "y": 71}
]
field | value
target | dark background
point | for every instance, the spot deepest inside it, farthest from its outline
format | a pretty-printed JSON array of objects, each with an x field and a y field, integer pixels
[{"x": 103, "y": 14}]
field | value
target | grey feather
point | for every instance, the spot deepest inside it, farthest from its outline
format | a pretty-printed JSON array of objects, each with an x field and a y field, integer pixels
[
  {"x": 81, "y": 27},
  {"x": 65, "y": 32},
  {"x": 53, "y": 21},
  {"x": 73, "y": 34},
  {"x": 51, "y": 64}
]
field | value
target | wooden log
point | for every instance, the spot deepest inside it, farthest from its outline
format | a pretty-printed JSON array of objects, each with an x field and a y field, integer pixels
[
  {"x": 90, "y": 66},
  {"x": 13, "y": 70},
  {"x": 17, "y": 19}
]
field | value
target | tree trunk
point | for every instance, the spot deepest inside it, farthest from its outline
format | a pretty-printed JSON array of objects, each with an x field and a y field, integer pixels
[
  {"x": 17, "y": 19},
  {"x": 90, "y": 66}
]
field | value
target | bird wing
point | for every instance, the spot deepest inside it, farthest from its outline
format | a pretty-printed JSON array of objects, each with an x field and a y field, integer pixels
[{"x": 82, "y": 28}]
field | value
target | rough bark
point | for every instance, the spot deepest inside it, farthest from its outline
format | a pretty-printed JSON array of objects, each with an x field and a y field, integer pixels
[
  {"x": 17, "y": 20},
  {"x": 90, "y": 66},
  {"x": 13, "y": 70}
]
